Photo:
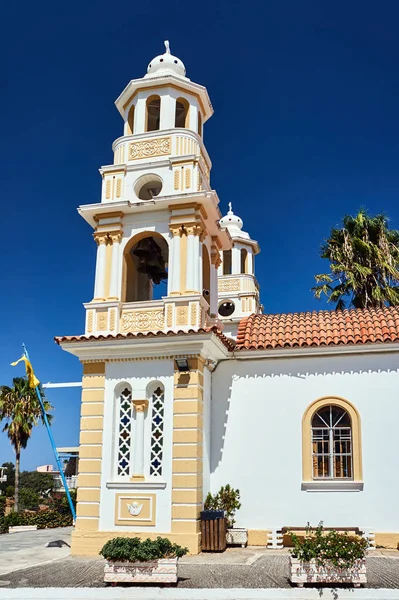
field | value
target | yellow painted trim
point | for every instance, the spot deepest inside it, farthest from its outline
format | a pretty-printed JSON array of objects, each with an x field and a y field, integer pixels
[
  {"x": 189, "y": 392},
  {"x": 87, "y": 510},
  {"x": 183, "y": 465},
  {"x": 93, "y": 395},
  {"x": 89, "y": 466},
  {"x": 83, "y": 525},
  {"x": 187, "y": 451},
  {"x": 88, "y": 495},
  {"x": 186, "y": 512},
  {"x": 92, "y": 409},
  {"x": 89, "y": 543},
  {"x": 187, "y": 481},
  {"x": 183, "y": 262},
  {"x": 91, "y": 437},
  {"x": 387, "y": 540},
  {"x": 188, "y": 407},
  {"x": 187, "y": 496},
  {"x": 93, "y": 381},
  {"x": 187, "y": 421},
  {"x": 91, "y": 423},
  {"x": 165, "y": 85},
  {"x": 90, "y": 451},
  {"x": 107, "y": 275},
  {"x": 85, "y": 480},
  {"x": 191, "y": 526},
  {"x": 193, "y": 377},
  {"x": 189, "y": 436},
  {"x": 143, "y": 498},
  {"x": 307, "y": 472},
  {"x": 97, "y": 368}
]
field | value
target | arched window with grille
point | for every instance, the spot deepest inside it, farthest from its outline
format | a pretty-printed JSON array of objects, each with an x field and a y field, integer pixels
[
  {"x": 157, "y": 430},
  {"x": 332, "y": 443},
  {"x": 124, "y": 432}
]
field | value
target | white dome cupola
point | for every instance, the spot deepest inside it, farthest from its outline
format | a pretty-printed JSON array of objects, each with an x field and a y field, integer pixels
[
  {"x": 166, "y": 64},
  {"x": 231, "y": 222}
]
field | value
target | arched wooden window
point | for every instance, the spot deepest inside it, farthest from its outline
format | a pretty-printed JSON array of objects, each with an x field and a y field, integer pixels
[
  {"x": 244, "y": 260},
  {"x": 227, "y": 262},
  {"x": 331, "y": 439},
  {"x": 182, "y": 112},
  {"x": 130, "y": 121},
  {"x": 124, "y": 432},
  {"x": 153, "y": 107}
]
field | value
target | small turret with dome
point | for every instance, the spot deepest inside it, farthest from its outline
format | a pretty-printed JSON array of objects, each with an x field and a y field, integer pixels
[
  {"x": 165, "y": 64},
  {"x": 238, "y": 289}
]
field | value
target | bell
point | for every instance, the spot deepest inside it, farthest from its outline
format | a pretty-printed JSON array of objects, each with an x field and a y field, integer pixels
[{"x": 150, "y": 260}]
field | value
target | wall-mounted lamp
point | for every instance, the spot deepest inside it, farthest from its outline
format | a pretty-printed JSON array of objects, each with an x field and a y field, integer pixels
[{"x": 182, "y": 365}]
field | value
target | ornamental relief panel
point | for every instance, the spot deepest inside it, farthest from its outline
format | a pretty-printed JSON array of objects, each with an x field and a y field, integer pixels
[
  {"x": 142, "y": 320},
  {"x": 229, "y": 285},
  {"x": 149, "y": 148}
]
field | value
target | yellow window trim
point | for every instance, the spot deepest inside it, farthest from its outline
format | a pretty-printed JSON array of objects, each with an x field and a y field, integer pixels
[{"x": 307, "y": 442}]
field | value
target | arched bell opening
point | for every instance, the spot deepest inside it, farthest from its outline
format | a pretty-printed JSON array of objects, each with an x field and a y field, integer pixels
[
  {"x": 148, "y": 186},
  {"x": 130, "y": 121},
  {"x": 244, "y": 260},
  {"x": 145, "y": 268},
  {"x": 206, "y": 274},
  {"x": 153, "y": 110},
  {"x": 182, "y": 113}
]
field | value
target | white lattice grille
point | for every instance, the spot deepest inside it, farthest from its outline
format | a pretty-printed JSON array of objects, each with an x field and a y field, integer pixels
[
  {"x": 157, "y": 423},
  {"x": 125, "y": 432}
]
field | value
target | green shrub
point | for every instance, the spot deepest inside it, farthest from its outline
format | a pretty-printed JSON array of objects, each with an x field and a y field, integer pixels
[
  {"x": 339, "y": 549},
  {"x": 44, "y": 519},
  {"x": 134, "y": 550},
  {"x": 9, "y": 491},
  {"x": 227, "y": 499},
  {"x": 28, "y": 499},
  {"x": 2, "y": 506}
]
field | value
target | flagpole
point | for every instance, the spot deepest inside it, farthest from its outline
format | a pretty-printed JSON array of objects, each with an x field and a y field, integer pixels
[{"x": 56, "y": 455}]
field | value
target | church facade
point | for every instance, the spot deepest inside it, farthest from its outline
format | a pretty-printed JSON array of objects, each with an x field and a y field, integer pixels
[{"x": 187, "y": 386}]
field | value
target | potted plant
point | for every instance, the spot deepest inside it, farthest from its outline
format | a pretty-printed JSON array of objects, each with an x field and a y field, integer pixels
[
  {"x": 130, "y": 560},
  {"x": 328, "y": 557},
  {"x": 228, "y": 500}
]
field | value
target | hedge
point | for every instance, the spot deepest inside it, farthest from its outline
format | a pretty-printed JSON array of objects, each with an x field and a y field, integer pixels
[{"x": 44, "y": 519}]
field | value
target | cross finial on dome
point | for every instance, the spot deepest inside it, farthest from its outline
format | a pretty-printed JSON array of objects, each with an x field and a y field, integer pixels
[
  {"x": 167, "y": 48},
  {"x": 166, "y": 64},
  {"x": 230, "y": 207}
]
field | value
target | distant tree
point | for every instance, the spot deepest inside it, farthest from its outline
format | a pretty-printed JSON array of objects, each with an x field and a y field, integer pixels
[
  {"x": 40, "y": 483},
  {"x": 10, "y": 472},
  {"x": 20, "y": 409},
  {"x": 28, "y": 499},
  {"x": 10, "y": 491},
  {"x": 364, "y": 263}
]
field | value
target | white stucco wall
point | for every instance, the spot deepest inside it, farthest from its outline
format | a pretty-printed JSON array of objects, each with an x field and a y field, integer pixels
[{"x": 257, "y": 409}]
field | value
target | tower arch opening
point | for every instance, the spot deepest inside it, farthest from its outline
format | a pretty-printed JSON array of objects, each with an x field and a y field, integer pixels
[
  {"x": 206, "y": 274},
  {"x": 145, "y": 267},
  {"x": 244, "y": 260},
  {"x": 148, "y": 186},
  {"x": 182, "y": 113},
  {"x": 227, "y": 262},
  {"x": 153, "y": 113},
  {"x": 130, "y": 120}
]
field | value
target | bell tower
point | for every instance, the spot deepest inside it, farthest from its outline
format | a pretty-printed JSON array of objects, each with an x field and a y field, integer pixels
[
  {"x": 237, "y": 284},
  {"x": 157, "y": 226}
]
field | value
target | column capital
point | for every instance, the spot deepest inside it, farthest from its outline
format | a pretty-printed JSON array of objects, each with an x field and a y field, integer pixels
[
  {"x": 100, "y": 237},
  {"x": 175, "y": 230},
  {"x": 116, "y": 237},
  {"x": 140, "y": 405}
]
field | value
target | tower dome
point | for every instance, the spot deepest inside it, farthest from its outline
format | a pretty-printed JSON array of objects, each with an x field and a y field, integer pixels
[
  {"x": 231, "y": 221},
  {"x": 166, "y": 64}
]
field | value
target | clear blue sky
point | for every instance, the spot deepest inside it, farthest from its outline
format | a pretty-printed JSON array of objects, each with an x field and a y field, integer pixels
[{"x": 305, "y": 129}]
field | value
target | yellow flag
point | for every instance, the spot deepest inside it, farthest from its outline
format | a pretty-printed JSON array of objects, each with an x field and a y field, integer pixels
[{"x": 33, "y": 380}]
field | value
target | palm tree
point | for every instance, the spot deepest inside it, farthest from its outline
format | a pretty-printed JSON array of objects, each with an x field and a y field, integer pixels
[
  {"x": 20, "y": 408},
  {"x": 364, "y": 263}
]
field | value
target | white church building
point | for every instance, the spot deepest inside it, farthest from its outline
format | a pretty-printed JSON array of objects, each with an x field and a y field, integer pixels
[{"x": 187, "y": 386}]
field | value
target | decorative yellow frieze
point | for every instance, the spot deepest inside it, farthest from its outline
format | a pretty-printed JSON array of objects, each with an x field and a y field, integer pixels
[
  {"x": 108, "y": 189},
  {"x": 176, "y": 179},
  {"x": 182, "y": 315},
  {"x": 149, "y": 148},
  {"x": 137, "y": 509},
  {"x": 90, "y": 321},
  {"x": 118, "y": 187},
  {"x": 228, "y": 285},
  {"x": 169, "y": 316},
  {"x": 188, "y": 178},
  {"x": 142, "y": 320},
  {"x": 102, "y": 318}
]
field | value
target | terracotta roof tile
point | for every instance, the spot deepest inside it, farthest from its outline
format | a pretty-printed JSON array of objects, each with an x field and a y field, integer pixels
[
  {"x": 323, "y": 328},
  {"x": 229, "y": 343}
]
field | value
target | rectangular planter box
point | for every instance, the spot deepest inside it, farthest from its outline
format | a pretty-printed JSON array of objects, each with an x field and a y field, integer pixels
[
  {"x": 20, "y": 528},
  {"x": 311, "y": 573},
  {"x": 163, "y": 570},
  {"x": 237, "y": 536}
]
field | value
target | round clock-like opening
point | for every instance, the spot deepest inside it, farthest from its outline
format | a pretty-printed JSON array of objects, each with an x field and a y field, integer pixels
[{"x": 226, "y": 309}]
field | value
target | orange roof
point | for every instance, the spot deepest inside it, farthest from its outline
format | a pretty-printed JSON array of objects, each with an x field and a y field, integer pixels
[
  {"x": 123, "y": 336},
  {"x": 321, "y": 328}
]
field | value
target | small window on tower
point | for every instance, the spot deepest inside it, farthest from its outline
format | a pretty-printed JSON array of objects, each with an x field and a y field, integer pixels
[
  {"x": 199, "y": 124},
  {"x": 181, "y": 114},
  {"x": 130, "y": 121},
  {"x": 153, "y": 113},
  {"x": 227, "y": 262}
]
